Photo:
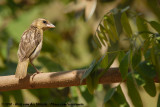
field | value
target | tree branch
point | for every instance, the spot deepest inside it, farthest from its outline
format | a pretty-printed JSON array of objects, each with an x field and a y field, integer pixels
[{"x": 55, "y": 79}]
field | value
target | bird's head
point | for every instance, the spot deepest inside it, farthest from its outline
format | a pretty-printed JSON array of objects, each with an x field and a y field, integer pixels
[{"x": 42, "y": 24}]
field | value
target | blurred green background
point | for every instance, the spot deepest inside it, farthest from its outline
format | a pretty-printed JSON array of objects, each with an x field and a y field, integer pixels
[{"x": 67, "y": 47}]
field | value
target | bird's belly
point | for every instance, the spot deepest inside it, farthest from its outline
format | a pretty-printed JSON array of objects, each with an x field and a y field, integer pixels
[{"x": 36, "y": 52}]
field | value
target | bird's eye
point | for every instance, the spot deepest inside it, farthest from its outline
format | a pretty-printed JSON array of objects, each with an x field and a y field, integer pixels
[{"x": 44, "y": 21}]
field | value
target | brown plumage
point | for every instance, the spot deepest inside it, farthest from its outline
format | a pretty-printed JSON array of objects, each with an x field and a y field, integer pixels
[{"x": 30, "y": 45}]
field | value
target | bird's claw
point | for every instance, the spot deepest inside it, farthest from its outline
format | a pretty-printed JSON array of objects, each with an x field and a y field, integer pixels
[{"x": 37, "y": 72}]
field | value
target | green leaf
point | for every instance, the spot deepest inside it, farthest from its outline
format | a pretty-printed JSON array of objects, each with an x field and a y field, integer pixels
[
  {"x": 113, "y": 26},
  {"x": 112, "y": 54},
  {"x": 109, "y": 94},
  {"x": 155, "y": 25},
  {"x": 97, "y": 41},
  {"x": 136, "y": 58},
  {"x": 133, "y": 93},
  {"x": 117, "y": 19},
  {"x": 90, "y": 84},
  {"x": 109, "y": 24},
  {"x": 142, "y": 26},
  {"x": 109, "y": 32},
  {"x": 111, "y": 58},
  {"x": 88, "y": 71},
  {"x": 104, "y": 62},
  {"x": 147, "y": 72},
  {"x": 124, "y": 64},
  {"x": 101, "y": 37},
  {"x": 146, "y": 69},
  {"x": 150, "y": 87},
  {"x": 158, "y": 102},
  {"x": 92, "y": 79},
  {"x": 100, "y": 60},
  {"x": 91, "y": 75},
  {"x": 103, "y": 31},
  {"x": 126, "y": 25},
  {"x": 120, "y": 56},
  {"x": 95, "y": 81}
]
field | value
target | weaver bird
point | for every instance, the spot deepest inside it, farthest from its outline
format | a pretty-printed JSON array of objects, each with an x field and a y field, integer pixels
[{"x": 30, "y": 46}]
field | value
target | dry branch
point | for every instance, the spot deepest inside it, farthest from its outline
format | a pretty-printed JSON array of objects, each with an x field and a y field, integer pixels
[{"x": 55, "y": 79}]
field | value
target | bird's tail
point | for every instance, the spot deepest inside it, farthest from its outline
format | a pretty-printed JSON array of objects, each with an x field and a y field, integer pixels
[{"x": 21, "y": 70}]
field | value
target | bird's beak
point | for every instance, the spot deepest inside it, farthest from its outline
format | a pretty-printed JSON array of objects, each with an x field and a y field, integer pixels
[{"x": 50, "y": 25}]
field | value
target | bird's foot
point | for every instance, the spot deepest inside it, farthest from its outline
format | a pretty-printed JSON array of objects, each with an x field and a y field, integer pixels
[{"x": 37, "y": 72}]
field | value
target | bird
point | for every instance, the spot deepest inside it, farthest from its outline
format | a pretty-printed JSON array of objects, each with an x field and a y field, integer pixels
[{"x": 30, "y": 46}]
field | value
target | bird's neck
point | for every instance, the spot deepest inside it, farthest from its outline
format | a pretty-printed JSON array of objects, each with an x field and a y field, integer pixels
[
  {"x": 33, "y": 27},
  {"x": 36, "y": 28},
  {"x": 39, "y": 30}
]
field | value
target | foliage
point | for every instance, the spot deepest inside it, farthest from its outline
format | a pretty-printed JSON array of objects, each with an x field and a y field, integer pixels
[{"x": 141, "y": 58}]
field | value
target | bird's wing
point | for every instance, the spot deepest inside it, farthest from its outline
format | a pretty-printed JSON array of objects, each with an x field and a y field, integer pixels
[{"x": 29, "y": 41}]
